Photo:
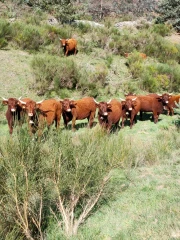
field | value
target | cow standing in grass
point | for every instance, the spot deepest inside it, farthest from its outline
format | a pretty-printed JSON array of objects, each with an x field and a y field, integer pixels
[
  {"x": 169, "y": 101},
  {"x": 109, "y": 113},
  {"x": 13, "y": 112},
  {"x": 132, "y": 105},
  {"x": 29, "y": 106},
  {"x": 78, "y": 110},
  {"x": 50, "y": 111},
  {"x": 69, "y": 46}
]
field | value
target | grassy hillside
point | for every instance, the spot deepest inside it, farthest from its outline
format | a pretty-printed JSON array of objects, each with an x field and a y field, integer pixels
[{"x": 143, "y": 193}]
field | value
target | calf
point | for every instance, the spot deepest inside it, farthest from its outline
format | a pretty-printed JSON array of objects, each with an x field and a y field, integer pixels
[
  {"x": 78, "y": 110},
  {"x": 13, "y": 112},
  {"x": 109, "y": 113},
  {"x": 69, "y": 46}
]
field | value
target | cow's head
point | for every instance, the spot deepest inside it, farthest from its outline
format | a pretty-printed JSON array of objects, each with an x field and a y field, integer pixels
[
  {"x": 129, "y": 94},
  {"x": 104, "y": 108},
  {"x": 68, "y": 104},
  {"x": 165, "y": 98},
  {"x": 30, "y": 106},
  {"x": 128, "y": 103},
  {"x": 12, "y": 103},
  {"x": 63, "y": 42}
]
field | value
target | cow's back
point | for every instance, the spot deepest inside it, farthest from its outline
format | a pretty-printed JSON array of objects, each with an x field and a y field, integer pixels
[
  {"x": 173, "y": 99},
  {"x": 150, "y": 103},
  {"x": 116, "y": 111},
  {"x": 84, "y": 107},
  {"x": 72, "y": 44},
  {"x": 50, "y": 109}
]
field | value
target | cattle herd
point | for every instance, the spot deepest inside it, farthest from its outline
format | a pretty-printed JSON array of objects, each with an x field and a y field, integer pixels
[{"x": 46, "y": 112}]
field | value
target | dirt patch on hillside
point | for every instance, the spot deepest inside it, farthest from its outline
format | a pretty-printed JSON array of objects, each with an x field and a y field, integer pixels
[{"x": 174, "y": 38}]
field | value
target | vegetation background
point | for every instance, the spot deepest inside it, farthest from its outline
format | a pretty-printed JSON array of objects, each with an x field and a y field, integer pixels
[{"x": 87, "y": 184}]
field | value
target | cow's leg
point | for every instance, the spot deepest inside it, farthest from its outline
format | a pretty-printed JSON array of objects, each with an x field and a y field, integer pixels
[
  {"x": 132, "y": 119},
  {"x": 122, "y": 122},
  {"x": 171, "y": 111},
  {"x": 155, "y": 116},
  {"x": 109, "y": 126},
  {"x": 91, "y": 119},
  {"x": 141, "y": 115},
  {"x": 75, "y": 51},
  {"x": 73, "y": 123},
  {"x": 10, "y": 125},
  {"x": 57, "y": 121},
  {"x": 66, "y": 52}
]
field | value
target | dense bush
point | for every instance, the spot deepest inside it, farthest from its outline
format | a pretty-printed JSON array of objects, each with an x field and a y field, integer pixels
[
  {"x": 54, "y": 73},
  {"x": 169, "y": 11},
  {"x": 27, "y": 36},
  {"x": 5, "y": 33},
  {"x": 63, "y": 178}
]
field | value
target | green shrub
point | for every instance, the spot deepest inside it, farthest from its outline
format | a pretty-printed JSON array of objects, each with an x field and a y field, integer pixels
[
  {"x": 27, "y": 36},
  {"x": 54, "y": 73},
  {"x": 5, "y": 33},
  {"x": 161, "y": 29},
  {"x": 92, "y": 82}
]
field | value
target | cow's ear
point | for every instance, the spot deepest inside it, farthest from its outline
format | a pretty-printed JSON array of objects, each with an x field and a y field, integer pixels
[
  {"x": 21, "y": 104},
  {"x": 5, "y": 102},
  {"x": 72, "y": 103},
  {"x": 109, "y": 105},
  {"x": 97, "y": 104},
  {"x": 38, "y": 105}
]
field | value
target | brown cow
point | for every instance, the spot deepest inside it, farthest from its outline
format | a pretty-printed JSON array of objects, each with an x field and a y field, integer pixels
[
  {"x": 50, "y": 112},
  {"x": 69, "y": 46},
  {"x": 13, "y": 112},
  {"x": 132, "y": 105},
  {"x": 109, "y": 113},
  {"x": 29, "y": 106},
  {"x": 78, "y": 110},
  {"x": 169, "y": 102}
]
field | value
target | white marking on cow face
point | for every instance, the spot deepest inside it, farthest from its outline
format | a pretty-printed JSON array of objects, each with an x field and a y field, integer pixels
[
  {"x": 130, "y": 109},
  {"x": 101, "y": 118},
  {"x": 127, "y": 113},
  {"x": 105, "y": 114},
  {"x": 167, "y": 101},
  {"x": 68, "y": 110},
  {"x": 30, "y": 114},
  {"x": 31, "y": 122},
  {"x": 13, "y": 110}
]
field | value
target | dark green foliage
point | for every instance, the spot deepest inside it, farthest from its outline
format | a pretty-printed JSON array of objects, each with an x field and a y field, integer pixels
[
  {"x": 161, "y": 29},
  {"x": 54, "y": 73},
  {"x": 5, "y": 33},
  {"x": 27, "y": 36},
  {"x": 21, "y": 189},
  {"x": 169, "y": 10}
]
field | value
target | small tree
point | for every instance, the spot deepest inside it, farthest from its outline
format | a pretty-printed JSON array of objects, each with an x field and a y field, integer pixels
[
  {"x": 21, "y": 194},
  {"x": 79, "y": 173},
  {"x": 169, "y": 10}
]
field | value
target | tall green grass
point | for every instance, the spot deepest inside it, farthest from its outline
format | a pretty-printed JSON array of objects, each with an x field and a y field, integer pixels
[{"x": 34, "y": 173}]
